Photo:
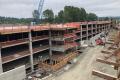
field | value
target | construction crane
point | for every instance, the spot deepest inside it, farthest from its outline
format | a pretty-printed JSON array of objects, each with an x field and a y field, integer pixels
[
  {"x": 40, "y": 7},
  {"x": 37, "y": 14}
]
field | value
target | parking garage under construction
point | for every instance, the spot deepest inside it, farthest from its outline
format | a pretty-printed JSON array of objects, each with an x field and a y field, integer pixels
[{"x": 45, "y": 47}]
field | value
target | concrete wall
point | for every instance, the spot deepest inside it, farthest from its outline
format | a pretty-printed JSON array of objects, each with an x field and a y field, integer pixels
[{"x": 15, "y": 74}]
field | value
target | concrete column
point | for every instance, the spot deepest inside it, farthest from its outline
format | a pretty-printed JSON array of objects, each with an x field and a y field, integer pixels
[
  {"x": 102, "y": 27},
  {"x": 87, "y": 34},
  {"x": 31, "y": 49},
  {"x": 106, "y": 27},
  {"x": 109, "y": 27},
  {"x": 96, "y": 28},
  {"x": 81, "y": 33},
  {"x": 50, "y": 47},
  {"x": 92, "y": 30},
  {"x": 1, "y": 68},
  {"x": 87, "y": 31},
  {"x": 99, "y": 28}
]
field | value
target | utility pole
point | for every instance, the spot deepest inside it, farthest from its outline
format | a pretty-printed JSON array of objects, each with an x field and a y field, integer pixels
[{"x": 31, "y": 48}]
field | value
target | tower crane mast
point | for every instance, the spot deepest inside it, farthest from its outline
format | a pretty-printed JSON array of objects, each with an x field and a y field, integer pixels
[
  {"x": 40, "y": 8},
  {"x": 37, "y": 14}
]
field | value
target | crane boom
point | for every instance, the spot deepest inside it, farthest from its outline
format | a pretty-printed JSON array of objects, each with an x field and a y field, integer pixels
[{"x": 40, "y": 7}]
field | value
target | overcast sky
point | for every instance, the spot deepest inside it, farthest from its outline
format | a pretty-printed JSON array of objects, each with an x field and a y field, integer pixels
[{"x": 24, "y": 8}]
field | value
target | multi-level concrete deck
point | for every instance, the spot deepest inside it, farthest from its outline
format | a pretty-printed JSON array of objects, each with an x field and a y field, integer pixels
[{"x": 66, "y": 36}]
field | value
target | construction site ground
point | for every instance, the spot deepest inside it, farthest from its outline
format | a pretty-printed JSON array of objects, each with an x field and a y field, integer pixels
[{"x": 86, "y": 63}]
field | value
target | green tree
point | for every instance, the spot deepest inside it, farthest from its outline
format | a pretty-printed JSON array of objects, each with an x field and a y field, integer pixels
[
  {"x": 83, "y": 14},
  {"x": 61, "y": 16},
  {"x": 71, "y": 14},
  {"x": 48, "y": 15},
  {"x": 56, "y": 19},
  {"x": 92, "y": 17}
]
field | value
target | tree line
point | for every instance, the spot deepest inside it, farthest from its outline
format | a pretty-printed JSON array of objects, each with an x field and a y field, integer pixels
[
  {"x": 69, "y": 14},
  {"x": 10, "y": 20}
]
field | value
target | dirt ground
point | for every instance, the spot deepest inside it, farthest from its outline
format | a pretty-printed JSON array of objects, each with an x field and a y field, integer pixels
[
  {"x": 84, "y": 67},
  {"x": 86, "y": 63}
]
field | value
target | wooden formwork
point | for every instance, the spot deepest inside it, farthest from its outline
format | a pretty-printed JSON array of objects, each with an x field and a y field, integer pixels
[
  {"x": 57, "y": 63},
  {"x": 116, "y": 53}
]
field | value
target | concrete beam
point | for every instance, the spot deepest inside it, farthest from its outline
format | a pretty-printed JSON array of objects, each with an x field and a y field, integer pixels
[
  {"x": 111, "y": 40},
  {"x": 107, "y": 62},
  {"x": 103, "y": 75},
  {"x": 106, "y": 52},
  {"x": 108, "y": 42},
  {"x": 113, "y": 48}
]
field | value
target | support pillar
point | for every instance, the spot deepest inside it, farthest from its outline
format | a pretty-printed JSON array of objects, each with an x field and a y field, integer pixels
[
  {"x": 31, "y": 49},
  {"x": 92, "y": 30},
  {"x": 95, "y": 29},
  {"x": 81, "y": 33},
  {"x": 102, "y": 27},
  {"x": 50, "y": 47},
  {"x": 1, "y": 68},
  {"x": 109, "y": 26},
  {"x": 87, "y": 32}
]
